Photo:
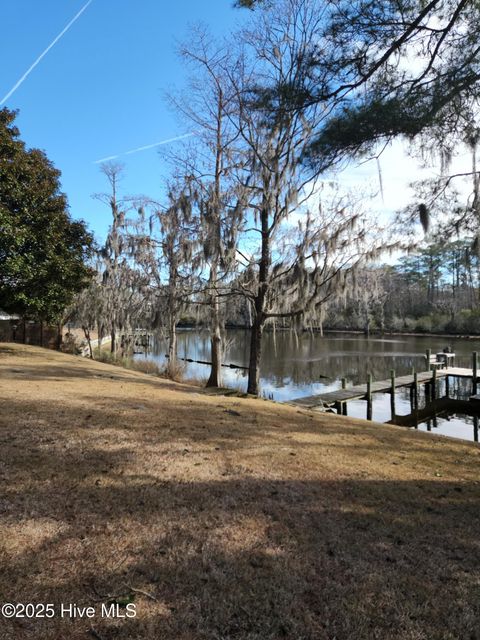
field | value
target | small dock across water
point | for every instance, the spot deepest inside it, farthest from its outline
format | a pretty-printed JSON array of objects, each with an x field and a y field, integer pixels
[
  {"x": 439, "y": 366},
  {"x": 359, "y": 392}
]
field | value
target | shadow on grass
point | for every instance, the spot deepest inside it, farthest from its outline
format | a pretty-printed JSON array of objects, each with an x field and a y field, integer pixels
[
  {"x": 83, "y": 369},
  {"x": 229, "y": 557},
  {"x": 258, "y": 559}
]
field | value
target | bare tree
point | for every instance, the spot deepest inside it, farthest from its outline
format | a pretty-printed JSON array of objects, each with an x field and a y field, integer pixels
[
  {"x": 111, "y": 252},
  {"x": 208, "y": 106},
  {"x": 300, "y": 244},
  {"x": 125, "y": 293},
  {"x": 162, "y": 242},
  {"x": 177, "y": 238},
  {"x": 369, "y": 295},
  {"x": 86, "y": 310}
]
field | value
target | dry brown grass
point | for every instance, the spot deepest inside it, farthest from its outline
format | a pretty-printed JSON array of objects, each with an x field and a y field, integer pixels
[{"x": 243, "y": 519}]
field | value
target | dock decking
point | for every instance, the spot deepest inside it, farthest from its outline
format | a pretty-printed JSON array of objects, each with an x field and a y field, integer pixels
[{"x": 359, "y": 392}]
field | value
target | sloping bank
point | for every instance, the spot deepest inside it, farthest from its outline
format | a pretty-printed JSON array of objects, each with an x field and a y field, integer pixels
[{"x": 225, "y": 517}]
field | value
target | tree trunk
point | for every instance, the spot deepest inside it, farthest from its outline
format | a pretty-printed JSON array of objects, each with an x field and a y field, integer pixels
[
  {"x": 113, "y": 342},
  {"x": 172, "y": 346},
  {"x": 123, "y": 341},
  {"x": 367, "y": 326},
  {"x": 41, "y": 333},
  {"x": 260, "y": 299},
  {"x": 255, "y": 354},
  {"x": 249, "y": 311},
  {"x": 89, "y": 341},
  {"x": 216, "y": 344},
  {"x": 216, "y": 336},
  {"x": 59, "y": 335},
  {"x": 366, "y": 318}
]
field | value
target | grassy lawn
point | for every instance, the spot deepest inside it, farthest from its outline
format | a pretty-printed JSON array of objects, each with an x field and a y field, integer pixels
[{"x": 225, "y": 518}]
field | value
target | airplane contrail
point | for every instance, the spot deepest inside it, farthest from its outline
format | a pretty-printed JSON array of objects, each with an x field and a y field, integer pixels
[
  {"x": 144, "y": 148},
  {"x": 44, "y": 53}
]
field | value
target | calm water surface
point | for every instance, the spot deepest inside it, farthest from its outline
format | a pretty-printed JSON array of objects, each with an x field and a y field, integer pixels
[{"x": 301, "y": 365}]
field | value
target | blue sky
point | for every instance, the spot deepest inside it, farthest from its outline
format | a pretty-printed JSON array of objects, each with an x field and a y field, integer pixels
[{"x": 100, "y": 90}]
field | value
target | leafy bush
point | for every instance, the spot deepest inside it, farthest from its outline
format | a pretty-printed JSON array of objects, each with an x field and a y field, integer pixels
[
  {"x": 396, "y": 324},
  {"x": 424, "y": 324},
  {"x": 466, "y": 321}
]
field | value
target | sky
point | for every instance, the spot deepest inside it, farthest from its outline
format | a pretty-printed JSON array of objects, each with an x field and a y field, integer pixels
[
  {"x": 99, "y": 91},
  {"x": 89, "y": 79}
]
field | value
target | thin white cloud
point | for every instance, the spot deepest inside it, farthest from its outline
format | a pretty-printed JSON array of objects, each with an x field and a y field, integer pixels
[
  {"x": 44, "y": 53},
  {"x": 144, "y": 148}
]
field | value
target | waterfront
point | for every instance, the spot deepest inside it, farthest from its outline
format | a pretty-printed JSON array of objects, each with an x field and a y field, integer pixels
[{"x": 300, "y": 365}]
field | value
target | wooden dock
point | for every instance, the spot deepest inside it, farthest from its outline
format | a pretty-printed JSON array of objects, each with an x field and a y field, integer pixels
[
  {"x": 440, "y": 367},
  {"x": 360, "y": 392}
]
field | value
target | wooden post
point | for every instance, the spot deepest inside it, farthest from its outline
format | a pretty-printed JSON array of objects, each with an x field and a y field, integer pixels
[
  {"x": 392, "y": 394},
  {"x": 434, "y": 383},
  {"x": 412, "y": 398},
  {"x": 474, "y": 372},
  {"x": 475, "y": 428},
  {"x": 415, "y": 391},
  {"x": 415, "y": 397},
  {"x": 429, "y": 355},
  {"x": 344, "y": 404},
  {"x": 369, "y": 396},
  {"x": 427, "y": 392}
]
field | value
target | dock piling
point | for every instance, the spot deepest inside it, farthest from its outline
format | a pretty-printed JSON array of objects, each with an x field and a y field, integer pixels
[
  {"x": 343, "y": 405},
  {"x": 392, "y": 394},
  {"x": 474, "y": 372},
  {"x": 430, "y": 379},
  {"x": 427, "y": 392},
  {"x": 415, "y": 397},
  {"x": 429, "y": 357},
  {"x": 369, "y": 396}
]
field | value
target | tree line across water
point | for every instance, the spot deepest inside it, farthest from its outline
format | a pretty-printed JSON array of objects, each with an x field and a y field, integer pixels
[
  {"x": 434, "y": 290},
  {"x": 254, "y": 224}
]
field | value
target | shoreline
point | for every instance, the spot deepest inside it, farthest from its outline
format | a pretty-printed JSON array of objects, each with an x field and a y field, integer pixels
[{"x": 342, "y": 331}]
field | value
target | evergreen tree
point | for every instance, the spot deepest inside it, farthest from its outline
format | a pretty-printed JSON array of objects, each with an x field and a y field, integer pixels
[{"x": 43, "y": 252}]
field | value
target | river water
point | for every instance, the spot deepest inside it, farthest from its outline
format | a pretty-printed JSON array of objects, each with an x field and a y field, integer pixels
[{"x": 306, "y": 364}]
